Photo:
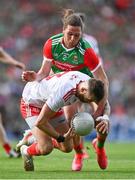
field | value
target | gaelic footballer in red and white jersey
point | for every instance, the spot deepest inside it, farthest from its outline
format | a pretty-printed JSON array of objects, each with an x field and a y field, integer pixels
[{"x": 56, "y": 91}]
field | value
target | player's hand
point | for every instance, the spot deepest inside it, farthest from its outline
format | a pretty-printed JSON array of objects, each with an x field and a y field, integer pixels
[
  {"x": 29, "y": 76},
  {"x": 102, "y": 124},
  {"x": 70, "y": 134}
]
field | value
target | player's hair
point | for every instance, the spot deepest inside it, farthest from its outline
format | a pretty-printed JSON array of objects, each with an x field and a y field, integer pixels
[
  {"x": 96, "y": 87},
  {"x": 73, "y": 19}
]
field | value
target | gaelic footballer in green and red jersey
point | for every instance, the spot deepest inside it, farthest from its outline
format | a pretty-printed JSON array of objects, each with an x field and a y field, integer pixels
[{"x": 80, "y": 58}]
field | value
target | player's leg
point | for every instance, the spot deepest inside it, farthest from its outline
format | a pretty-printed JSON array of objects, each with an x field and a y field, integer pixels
[
  {"x": 69, "y": 112},
  {"x": 42, "y": 146},
  {"x": 61, "y": 125},
  {"x": 5, "y": 143},
  {"x": 77, "y": 163},
  {"x": 45, "y": 143},
  {"x": 28, "y": 139},
  {"x": 84, "y": 107},
  {"x": 98, "y": 144}
]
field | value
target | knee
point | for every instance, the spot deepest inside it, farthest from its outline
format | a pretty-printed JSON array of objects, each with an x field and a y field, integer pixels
[
  {"x": 46, "y": 149},
  {"x": 67, "y": 148}
]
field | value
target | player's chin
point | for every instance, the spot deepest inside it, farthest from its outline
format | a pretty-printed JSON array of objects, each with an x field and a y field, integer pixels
[{"x": 84, "y": 100}]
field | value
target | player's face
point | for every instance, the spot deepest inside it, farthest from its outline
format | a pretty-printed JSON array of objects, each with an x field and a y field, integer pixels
[
  {"x": 85, "y": 97},
  {"x": 72, "y": 35}
]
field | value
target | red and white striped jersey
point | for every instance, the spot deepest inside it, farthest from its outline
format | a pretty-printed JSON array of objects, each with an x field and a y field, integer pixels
[{"x": 57, "y": 90}]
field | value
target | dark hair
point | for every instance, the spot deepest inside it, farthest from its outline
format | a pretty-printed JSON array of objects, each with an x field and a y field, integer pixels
[
  {"x": 72, "y": 18},
  {"x": 96, "y": 87}
]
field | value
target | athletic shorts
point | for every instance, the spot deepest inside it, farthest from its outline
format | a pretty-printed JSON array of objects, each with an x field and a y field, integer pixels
[{"x": 30, "y": 113}]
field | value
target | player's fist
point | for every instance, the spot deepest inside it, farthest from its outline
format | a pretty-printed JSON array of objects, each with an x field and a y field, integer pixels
[
  {"x": 102, "y": 124},
  {"x": 70, "y": 134},
  {"x": 29, "y": 76}
]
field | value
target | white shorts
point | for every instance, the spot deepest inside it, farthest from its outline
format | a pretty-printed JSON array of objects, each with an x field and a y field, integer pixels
[{"x": 30, "y": 114}]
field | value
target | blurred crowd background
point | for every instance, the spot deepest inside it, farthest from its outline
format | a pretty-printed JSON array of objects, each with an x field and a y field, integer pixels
[{"x": 25, "y": 25}]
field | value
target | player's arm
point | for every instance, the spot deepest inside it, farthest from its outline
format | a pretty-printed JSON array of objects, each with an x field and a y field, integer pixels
[
  {"x": 93, "y": 63},
  {"x": 7, "y": 59},
  {"x": 45, "y": 67},
  {"x": 101, "y": 75},
  {"x": 107, "y": 109},
  {"x": 43, "y": 124},
  {"x": 43, "y": 121},
  {"x": 41, "y": 74},
  {"x": 102, "y": 122}
]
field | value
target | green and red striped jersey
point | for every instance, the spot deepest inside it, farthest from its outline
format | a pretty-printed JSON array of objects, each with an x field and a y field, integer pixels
[{"x": 80, "y": 58}]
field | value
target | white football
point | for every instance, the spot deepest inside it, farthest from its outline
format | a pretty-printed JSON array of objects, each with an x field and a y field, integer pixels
[{"x": 82, "y": 123}]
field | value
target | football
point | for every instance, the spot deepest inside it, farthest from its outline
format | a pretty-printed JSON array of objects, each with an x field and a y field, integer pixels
[{"x": 82, "y": 123}]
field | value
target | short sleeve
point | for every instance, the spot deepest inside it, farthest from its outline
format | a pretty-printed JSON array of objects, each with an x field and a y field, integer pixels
[
  {"x": 55, "y": 102},
  {"x": 91, "y": 60},
  {"x": 47, "y": 49}
]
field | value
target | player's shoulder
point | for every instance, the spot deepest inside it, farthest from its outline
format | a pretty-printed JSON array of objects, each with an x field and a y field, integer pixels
[
  {"x": 83, "y": 44},
  {"x": 89, "y": 38}
]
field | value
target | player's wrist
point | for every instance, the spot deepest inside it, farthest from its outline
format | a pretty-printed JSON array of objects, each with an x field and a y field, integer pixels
[
  {"x": 106, "y": 117},
  {"x": 38, "y": 77},
  {"x": 60, "y": 138}
]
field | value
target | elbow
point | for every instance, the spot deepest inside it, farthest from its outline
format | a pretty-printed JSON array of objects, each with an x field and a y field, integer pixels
[
  {"x": 106, "y": 81},
  {"x": 39, "y": 124}
]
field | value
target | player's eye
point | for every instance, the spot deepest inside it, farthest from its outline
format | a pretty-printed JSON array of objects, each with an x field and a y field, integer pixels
[
  {"x": 77, "y": 35},
  {"x": 70, "y": 34}
]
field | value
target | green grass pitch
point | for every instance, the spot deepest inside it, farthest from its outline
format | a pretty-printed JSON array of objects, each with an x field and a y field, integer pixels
[{"x": 57, "y": 165}]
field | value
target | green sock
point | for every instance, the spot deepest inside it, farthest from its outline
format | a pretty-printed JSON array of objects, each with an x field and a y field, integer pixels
[{"x": 100, "y": 144}]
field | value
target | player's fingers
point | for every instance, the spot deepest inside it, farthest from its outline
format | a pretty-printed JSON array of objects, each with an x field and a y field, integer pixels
[
  {"x": 99, "y": 124},
  {"x": 25, "y": 77},
  {"x": 100, "y": 129},
  {"x": 103, "y": 129},
  {"x": 72, "y": 133},
  {"x": 69, "y": 133},
  {"x": 70, "y": 130}
]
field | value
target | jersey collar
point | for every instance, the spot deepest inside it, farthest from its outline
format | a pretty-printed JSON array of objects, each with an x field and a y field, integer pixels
[{"x": 65, "y": 47}]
